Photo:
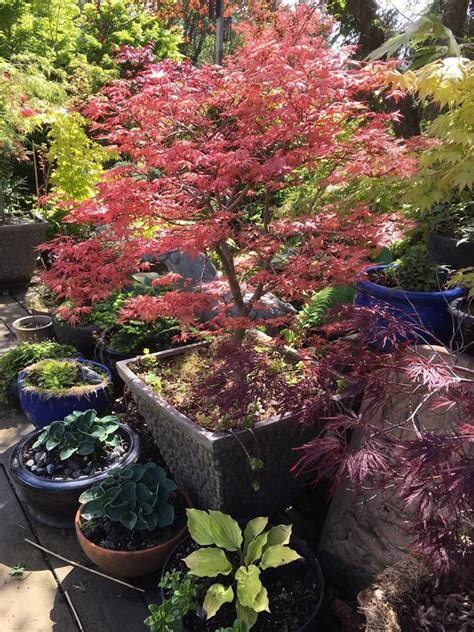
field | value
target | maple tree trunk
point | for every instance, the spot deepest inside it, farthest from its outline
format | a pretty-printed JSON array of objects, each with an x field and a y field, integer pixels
[
  {"x": 454, "y": 15},
  {"x": 372, "y": 35}
]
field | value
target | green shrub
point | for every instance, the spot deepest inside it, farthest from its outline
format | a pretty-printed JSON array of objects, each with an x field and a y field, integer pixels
[
  {"x": 136, "y": 496},
  {"x": 413, "y": 272},
  {"x": 22, "y": 356},
  {"x": 80, "y": 433}
]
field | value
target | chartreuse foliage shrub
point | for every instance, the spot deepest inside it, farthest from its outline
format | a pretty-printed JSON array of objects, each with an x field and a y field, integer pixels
[
  {"x": 137, "y": 496},
  {"x": 448, "y": 165},
  {"x": 79, "y": 39},
  {"x": 81, "y": 433},
  {"x": 15, "y": 360},
  {"x": 239, "y": 556}
]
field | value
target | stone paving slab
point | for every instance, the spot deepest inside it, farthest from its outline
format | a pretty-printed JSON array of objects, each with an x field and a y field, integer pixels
[
  {"x": 32, "y": 603},
  {"x": 10, "y": 310},
  {"x": 102, "y": 606}
]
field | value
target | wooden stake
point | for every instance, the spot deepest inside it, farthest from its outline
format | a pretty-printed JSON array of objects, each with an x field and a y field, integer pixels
[
  {"x": 84, "y": 568},
  {"x": 74, "y": 611}
]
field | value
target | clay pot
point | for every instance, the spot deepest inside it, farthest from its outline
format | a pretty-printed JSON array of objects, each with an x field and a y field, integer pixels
[
  {"x": 33, "y": 328},
  {"x": 130, "y": 563}
]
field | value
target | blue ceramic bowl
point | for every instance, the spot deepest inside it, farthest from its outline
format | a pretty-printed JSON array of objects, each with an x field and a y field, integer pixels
[{"x": 42, "y": 410}]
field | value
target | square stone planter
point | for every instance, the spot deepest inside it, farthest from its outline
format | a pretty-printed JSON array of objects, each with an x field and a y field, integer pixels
[
  {"x": 18, "y": 251},
  {"x": 213, "y": 466}
]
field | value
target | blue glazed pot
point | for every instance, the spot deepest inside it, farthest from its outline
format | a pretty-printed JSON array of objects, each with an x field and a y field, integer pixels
[
  {"x": 42, "y": 410},
  {"x": 426, "y": 310}
]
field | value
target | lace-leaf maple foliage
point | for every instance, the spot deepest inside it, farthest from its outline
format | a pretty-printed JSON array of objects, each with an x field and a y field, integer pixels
[{"x": 204, "y": 153}]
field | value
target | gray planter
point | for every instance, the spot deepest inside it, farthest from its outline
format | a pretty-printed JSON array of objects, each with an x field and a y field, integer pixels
[
  {"x": 18, "y": 253},
  {"x": 213, "y": 466}
]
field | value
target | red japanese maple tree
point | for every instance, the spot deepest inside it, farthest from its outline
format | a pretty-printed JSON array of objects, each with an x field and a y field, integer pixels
[{"x": 205, "y": 151}]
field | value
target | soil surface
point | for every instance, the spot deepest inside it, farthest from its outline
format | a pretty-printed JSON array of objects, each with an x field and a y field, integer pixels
[
  {"x": 183, "y": 381},
  {"x": 113, "y": 535},
  {"x": 293, "y": 592}
]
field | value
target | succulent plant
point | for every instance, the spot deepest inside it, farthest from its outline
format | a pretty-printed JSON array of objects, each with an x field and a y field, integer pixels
[
  {"x": 81, "y": 433},
  {"x": 137, "y": 496}
]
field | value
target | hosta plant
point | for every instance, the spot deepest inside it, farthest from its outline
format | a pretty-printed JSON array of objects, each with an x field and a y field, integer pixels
[
  {"x": 81, "y": 433},
  {"x": 136, "y": 496},
  {"x": 239, "y": 556}
]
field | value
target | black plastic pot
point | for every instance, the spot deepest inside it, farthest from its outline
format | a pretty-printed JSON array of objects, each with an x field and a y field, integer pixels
[
  {"x": 463, "y": 325},
  {"x": 83, "y": 338},
  {"x": 447, "y": 250},
  {"x": 55, "y": 502},
  {"x": 304, "y": 550}
]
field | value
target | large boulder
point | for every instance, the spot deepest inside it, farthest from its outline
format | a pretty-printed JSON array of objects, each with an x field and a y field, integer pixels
[{"x": 368, "y": 532}]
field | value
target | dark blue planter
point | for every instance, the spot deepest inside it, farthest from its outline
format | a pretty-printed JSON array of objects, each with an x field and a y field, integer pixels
[
  {"x": 54, "y": 502},
  {"x": 42, "y": 410},
  {"x": 425, "y": 310}
]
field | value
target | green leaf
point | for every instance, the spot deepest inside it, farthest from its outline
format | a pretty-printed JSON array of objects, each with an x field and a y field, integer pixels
[
  {"x": 91, "y": 509},
  {"x": 217, "y": 596},
  {"x": 129, "y": 519},
  {"x": 255, "y": 548},
  {"x": 199, "y": 526},
  {"x": 246, "y": 615},
  {"x": 254, "y": 527},
  {"x": 280, "y": 534},
  {"x": 250, "y": 591},
  {"x": 166, "y": 515},
  {"x": 278, "y": 555},
  {"x": 208, "y": 562},
  {"x": 66, "y": 452},
  {"x": 225, "y": 531}
]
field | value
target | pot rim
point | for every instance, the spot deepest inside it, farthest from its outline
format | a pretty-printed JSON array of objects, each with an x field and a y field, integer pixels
[
  {"x": 312, "y": 559},
  {"x": 106, "y": 382},
  {"x": 17, "y": 324},
  {"x": 52, "y": 485},
  {"x": 96, "y": 547},
  {"x": 364, "y": 285}
]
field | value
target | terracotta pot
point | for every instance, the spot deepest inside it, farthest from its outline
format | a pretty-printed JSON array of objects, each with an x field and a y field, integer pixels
[
  {"x": 130, "y": 563},
  {"x": 33, "y": 328}
]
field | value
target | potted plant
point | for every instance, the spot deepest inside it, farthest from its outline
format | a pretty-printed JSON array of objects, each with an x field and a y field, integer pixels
[
  {"x": 414, "y": 290},
  {"x": 209, "y": 179},
  {"x": 51, "y": 389},
  {"x": 129, "y": 522},
  {"x": 214, "y": 411},
  {"x": 81, "y": 334},
  {"x": 21, "y": 231},
  {"x": 462, "y": 312},
  {"x": 451, "y": 234},
  {"x": 53, "y": 466},
  {"x": 33, "y": 328},
  {"x": 20, "y": 357},
  {"x": 226, "y": 578}
]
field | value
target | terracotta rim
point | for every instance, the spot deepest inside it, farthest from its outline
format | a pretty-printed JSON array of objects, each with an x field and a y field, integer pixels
[{"x": 180, "y": 535}]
